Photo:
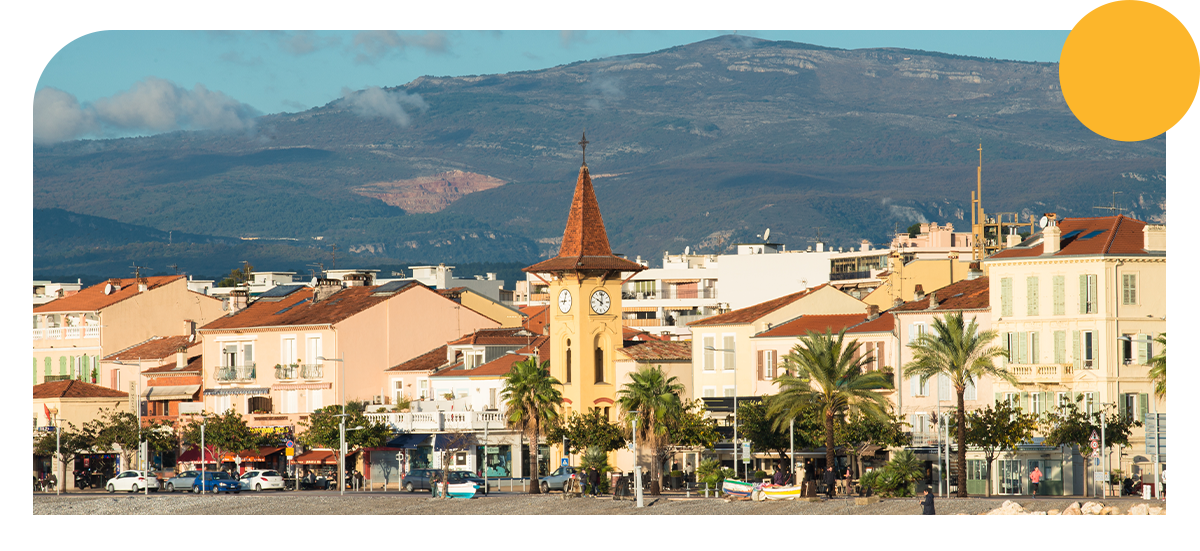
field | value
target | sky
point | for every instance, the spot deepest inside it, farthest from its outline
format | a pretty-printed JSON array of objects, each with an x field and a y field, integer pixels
[{"x": 56, "y": 45}]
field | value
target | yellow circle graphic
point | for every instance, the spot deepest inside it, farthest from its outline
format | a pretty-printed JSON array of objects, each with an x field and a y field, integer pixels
[{"x": 1129, "y": 70}]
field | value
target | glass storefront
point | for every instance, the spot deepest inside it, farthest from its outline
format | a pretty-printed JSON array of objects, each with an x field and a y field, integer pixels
[
  {"x": 497, "y": 461},
  {"x": 420, "y": 458},
  {"x": 1010, "y": 476},
  {"x": 543, "y": 460}
]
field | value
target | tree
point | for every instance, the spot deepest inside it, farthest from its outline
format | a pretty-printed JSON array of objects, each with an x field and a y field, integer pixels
[
  {"x": 119, "y": 429},
  {"x": 223, "y": 433},
  {"x": 653, "y": 398},
  {"x": 896, "y": 478},
  {"x": 963, "y": 354},
  {"x": 451, "y": 443},
  {"x": 532, "y": 402},
  {"x": 691, "y": 427},
  {"x": 755, "y": 425},
  {"x": 323, "y": 429},
  {"x": 828, "y": 376},
  {"x": 1158, "y": 367},
  {"x": 995, "y": 429},
  {"x": 71, "y": 443},
  {"x": 859, "y": 431},
  {"x": 237, "y": 276},
  {"x": 1068, "y": 425},
  {"x": 588, "y": 431}
]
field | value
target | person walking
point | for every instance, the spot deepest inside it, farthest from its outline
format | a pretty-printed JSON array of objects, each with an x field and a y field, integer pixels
[
  {"x": 1164, "y": 483},
  {"x": 594, "y": 480},
  {"x": 830, "y": 482},
  {"x": 927, "y": 503},
  {"x": 1035, "y": 477},
  {"x": 781, "y": 477}
]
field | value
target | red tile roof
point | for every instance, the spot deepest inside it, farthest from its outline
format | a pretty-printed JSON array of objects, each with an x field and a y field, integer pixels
[
  {"x": 656, "y": 351},
  {"x": 968, "y": 294},
  {"x": 885, "y": 322},
  {"x": 195, "y": 364},
  {"x": 503, "y": 364},
  {"x": 74, "y": 389},
  {"x": 93, "y": 298},
  {"x": 1118, "y": 235},
  {"x": 154, "y": 348},
  {"x": 538, "y": 320},
  {"x": 298, "y": 308},
  {"x": 496, "y": 337},
  {"x": 425, "y": 362},
  {"x": 585, "y": 241},
  {"x": 753, "y": 313},
  {"x": 816, "y": 323}
]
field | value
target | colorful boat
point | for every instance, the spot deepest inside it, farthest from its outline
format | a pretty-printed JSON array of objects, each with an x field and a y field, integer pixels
[
  {"x": 737, "y": 488},
  {"x": 782, "y": 492},
  {"x": 462, "y": 490}
]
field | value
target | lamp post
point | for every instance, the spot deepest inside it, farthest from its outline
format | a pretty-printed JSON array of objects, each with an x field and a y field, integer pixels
[
  {"x": 735, "y": 397},
  {"x": 138, "y": 411},
  {"x": 57, "y": 452},
  {"x": 1103, "y": 447},
  {"x": 342, "y": 424},
  {"x": 203, "y": 423},
  {"x": 637, "y": 469}
]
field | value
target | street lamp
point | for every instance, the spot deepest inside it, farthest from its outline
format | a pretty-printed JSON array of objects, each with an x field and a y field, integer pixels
[
  {"x": 57, "y": 451},
  {"x": 342, "y": 424},
  {"x": 138, "y": 412},
  {"x": 735, "y": 397},
  {"x": 637, "y": 469}
]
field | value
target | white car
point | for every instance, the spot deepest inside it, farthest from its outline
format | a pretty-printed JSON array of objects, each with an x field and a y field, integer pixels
[
  {"x": 132, "y": 481},
  {"x": 261, "y": 480}
]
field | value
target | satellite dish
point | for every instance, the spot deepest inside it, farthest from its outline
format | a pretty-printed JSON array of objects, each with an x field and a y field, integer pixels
[
  {"x": 313, "y": 283},
  {"x": 687, "y": 250},
  {"x": 767, "y": 235},
  {"x": 1043, "y": 222},
  {"x": 192, "y": 337},
  {"x": 108, "y": 289}
]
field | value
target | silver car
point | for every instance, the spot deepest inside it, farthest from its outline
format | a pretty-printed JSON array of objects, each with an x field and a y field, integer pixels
[
  {"x": 556, "y": 479},
  {"x": 182, "y": 481}
]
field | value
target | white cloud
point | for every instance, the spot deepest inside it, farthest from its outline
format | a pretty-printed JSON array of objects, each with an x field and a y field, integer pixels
[
  {"x": 152, "y": 105},
  {"x": 306, "y": 42},
  {"x": 57, "y": 116},
  {"x": 377, "y": 102},
  {"x": 374, "y": 45},
  {"x": 571, "y": 38}
]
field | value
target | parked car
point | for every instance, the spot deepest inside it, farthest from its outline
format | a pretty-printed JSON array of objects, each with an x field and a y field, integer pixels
[
  {"x": 416, "y": 479},
  {"x": 132, "y": 481},
  {"x": 216, "y": 481},
  {"x": 182, "y": 481},
  {"x": 468, "y": 476},
  {"x": 556, "y": 479},
  {"x": 261, "y": 480}
]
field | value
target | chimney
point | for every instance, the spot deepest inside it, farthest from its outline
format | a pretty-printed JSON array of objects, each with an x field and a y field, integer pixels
[
  {"x": 933, "y": 303},
  {"x": 897, "y": 302},
  {"x": 491, "y": 276},
  {"x": 189, "y": 328},
  {"x": 820, "y": 247},
  {"x": 355, "y": 280},
  {"x": 325, "y": 288},
  {"x": 974, "y": 272},
  {"x": 864, "y": 245},
  {"x": 143, "y": 284},
  {"x": 1051, "y": 237},
  {"x": 1012, "y": 240},
  {"x": 872, "y": 311},
  {"x": 918, "y": 292},
  {"x": 181, "y": 359},
  {"x": 116, "y": 284},
  {"x": 238, "y": 299},
  {"x": 1154, "y": 238}
]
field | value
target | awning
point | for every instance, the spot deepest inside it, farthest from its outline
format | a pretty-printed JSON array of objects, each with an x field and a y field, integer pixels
[
  {"x": 459, "y": 441},
  {"x": 407, "y": 441},
  {"x": 231, "y": 391},
  {"x": 250, "y": 456},
  {"x": 174, "y": 392},
  {"x": 316, "y": 457},
  {"x": 302, "y": 386},
  {"x": 193, "y": 455},
  {"x": 679, "y": 308},
  {"x": 639, "y": 309},
  {"x": 681, "y": 281}
]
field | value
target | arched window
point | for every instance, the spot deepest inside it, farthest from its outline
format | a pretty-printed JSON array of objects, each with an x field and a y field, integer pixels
[
  {"x": 599, "y": 361},
  {"x": 568, "y": 362}
]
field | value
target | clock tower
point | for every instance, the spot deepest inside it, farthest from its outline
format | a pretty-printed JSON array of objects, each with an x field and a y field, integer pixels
[{"x": 585, "y": 304}]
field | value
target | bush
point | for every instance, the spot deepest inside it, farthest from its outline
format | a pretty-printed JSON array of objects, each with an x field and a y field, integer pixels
[
  {"x": 759, "y": 475},
  {"x": 896, "y": 478},
  {"x": 710, "y": 472}
]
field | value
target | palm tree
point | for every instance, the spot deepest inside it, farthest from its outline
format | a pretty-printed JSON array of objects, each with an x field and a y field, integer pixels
[
  {"x": 821, "y": 370},
  {"x": 652, "y": 396},
  {"x": 1158, "y": 367},
  {"x": 532, "y": 402},
  {"x": 963, "y": 354}
]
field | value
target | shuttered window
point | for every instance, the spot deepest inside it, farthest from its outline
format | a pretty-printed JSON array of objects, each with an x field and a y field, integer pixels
[
  {"x": 729, "y": 359},
  {"x": 970, "y": 393},
  {"x": 944, "y": 391},
  {"x": 1060, "y": 347},
  {"x": 1031, "y": 296},
  {"x": 1128, "y": 289},
  {"x": 1034, "y": 355},
  {"x": 1059, "y": 283},
  {"x": 1143, "y": 349},
  {"x": 1087, "y": 294},
  {"x": 1006, "y": 297},
  {"x": 708, "y": 353}
]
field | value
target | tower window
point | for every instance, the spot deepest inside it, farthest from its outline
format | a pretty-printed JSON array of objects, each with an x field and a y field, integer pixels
[
  {"x": 568, "y": 362},
  {"x": 599, "y": 364}
]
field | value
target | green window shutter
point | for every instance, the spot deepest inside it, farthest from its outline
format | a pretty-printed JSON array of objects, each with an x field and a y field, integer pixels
[
  {"x": 1034, "y": 357},
  {"x": 1077, "y": 360},
  {"x": 912, "y": 386},
  {"x": 1142, "y": 349},
  {"x": 62, "y": 365},
  {"x": 997, "y": 398},
  {"x": 1093, "y": 298},
  {"x": 1031, "y": 296},
  {"x": 1122, "y": 410},
  {"x": 1129, "y": 289},
  {"x": 1024, "y": 402},
  {"x": 1060, "y": 347},
  {"x": 1006, "y": 296},
  {"x": 47, "y": 364},
  {"x": 1143, "y": 406},
  {"x": 1083, "y": 286},
  {"x": 1060, "y": 295},
  {"x": 35, "y": 371},
  {"x": 1048, "y": 399},
  {"x": 1022, "y": 346}
]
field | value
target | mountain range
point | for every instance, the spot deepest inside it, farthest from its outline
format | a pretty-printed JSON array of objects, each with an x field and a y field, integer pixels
[{"x": 701, "y": 145}]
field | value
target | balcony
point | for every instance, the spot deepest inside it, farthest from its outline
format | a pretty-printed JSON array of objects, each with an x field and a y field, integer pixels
[
  {"x": 287, "y": 372},
  {"x": 669, "y": 293},
  {"x": 233, "y": 374},
  {"x": 645, "y": 322},
  {"x": 311, "y": 371},
  {"x": 59, "y": 333},
  {"x": 1052, "y": 373},
  {"x": 843, "y": 276},
  {"x": 441, "y": 420}
]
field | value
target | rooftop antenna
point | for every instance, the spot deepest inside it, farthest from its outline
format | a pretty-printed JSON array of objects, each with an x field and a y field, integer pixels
[
  {"x": 334, "y": 256},
  {"x": 137, "y": 270},
  {"x": 318, "y": 265},
  {"x": 583, "y": 143},
  {"x": 1113, "y": 208},
  {"x": 175, "y": 268}
]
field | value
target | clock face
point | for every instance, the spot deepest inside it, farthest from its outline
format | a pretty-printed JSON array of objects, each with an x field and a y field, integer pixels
[
  {"x": 564, "y": 301},
  {"x": 600, "y": 302}
]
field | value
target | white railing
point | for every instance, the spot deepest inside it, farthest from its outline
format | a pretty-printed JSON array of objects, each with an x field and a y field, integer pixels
[
  {"x": 71, "y": 332},
  {"x": 1045, "y": 372},
  {"x": 37, "y": 333},
  {"x": 91, "y": 332},
  {"x": 53, "y": 332},
  {"x": 66, "y": 333},
  {"x": 441, "y": 420}
]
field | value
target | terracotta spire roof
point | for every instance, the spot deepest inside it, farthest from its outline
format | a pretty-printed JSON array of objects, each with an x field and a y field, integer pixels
[{"x": 585, "y": 241}]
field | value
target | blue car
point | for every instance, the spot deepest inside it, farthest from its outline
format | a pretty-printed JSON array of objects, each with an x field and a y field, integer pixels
[{"x": 216, "y": 481}]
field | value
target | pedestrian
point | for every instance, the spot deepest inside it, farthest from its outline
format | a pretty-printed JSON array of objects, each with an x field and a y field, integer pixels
[
  {"x": 830, "y": 482},
  {"x": 1035, "y": 477},
  {"x": 1164, "y": 483},
  {"x": 927, "y": 503},
  {"x": 781, "y": 477},
  {"x": 594, "y": 480},
  {"x": 849, "y": 482}
]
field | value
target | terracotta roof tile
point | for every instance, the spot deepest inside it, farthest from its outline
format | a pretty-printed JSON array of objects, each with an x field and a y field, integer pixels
[
  {"x": 93, "y": 298},
  {"x": 194, "y": 365},
  {"x": 538, "y": 320},
  {"x": 154, "y": 348},
  {"x": 885, "y": 322},
  {"x": 503, "y": 364},
  {"x": 968, "y": 294},
  {"x": 1115, "y": 235},
  {"x": 753, "y": 313},
  {"x": 74, "y": 389},
  {"x": 816, "y": 323},
  {"x": 585, "y": 241},
  {"x": 654, "y": 351},
  {"x": 496, "y": 337},
  {"x": 298, "y": 308},
  {"x": 425, "y": 362}
]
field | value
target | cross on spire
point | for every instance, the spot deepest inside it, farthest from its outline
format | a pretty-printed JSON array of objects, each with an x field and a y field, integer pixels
[{"x": 583, "y": 143}]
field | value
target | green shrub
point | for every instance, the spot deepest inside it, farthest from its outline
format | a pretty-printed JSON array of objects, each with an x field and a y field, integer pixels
[{"x": 897, "y": 478}]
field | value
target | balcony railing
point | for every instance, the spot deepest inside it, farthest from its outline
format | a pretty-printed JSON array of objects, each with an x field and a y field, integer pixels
[
  {"x": 286, "y": 372},
  {"x": 66, "y": 333},
  {"x": 233, "y": 373},
  {"x": 644, "y": 322},
  {"x": 841, "y": 276},
  {"x": 312, "y": 371},
  {"x": 669, "y": 293},
  {"x": 442, "y": 420},
  {"x": 922, "y": 439},
  {"x": 1042, "y": 373}
]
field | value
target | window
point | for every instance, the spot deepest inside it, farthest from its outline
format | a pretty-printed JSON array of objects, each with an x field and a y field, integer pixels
[
  {"x": 710, "y": 392},
  {"x": 424, "y": 386},
  {"x": 606, "y": 413},
  {"x": 1064, "y": 398},
  {"x": 287, "y": 351},
  {"x": 728, "y": 356},
  {"x": 1031, "y": 296},
  {"x": 1060, "y": 294},
  {"x": 259, "y": 403},
  {"x": 1006, "y": 297},
  {"x": 728, "y": 391},
  {"x": 1087, "y": 294},
  {"x": 766, "y": 365},
  {"x": 969, "y": 392},
  {"x": 1128, "y": 289},
  {"x": 567, "y": 363},
  {"x": 313, "y": 349},
  {"x": 229, "y": 357},
  {"x": 248, "y": 353},
  {"x": 599, "y": 362},
  {"x": 1089, "y": 403},
  {"x": 917, "y": 387},
  {"x": 1145, "y": 348},
  {"x": 1125, "y": 345},
  {"x": 1087, "y": 349},
  {"x": 1129, "y": 401},
  {"x": 1013, "y": 400},
  {"x": 1035, "y": 403},
  {"x": 709, "y": 354},
  {"x": 920, "y": 423}
]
